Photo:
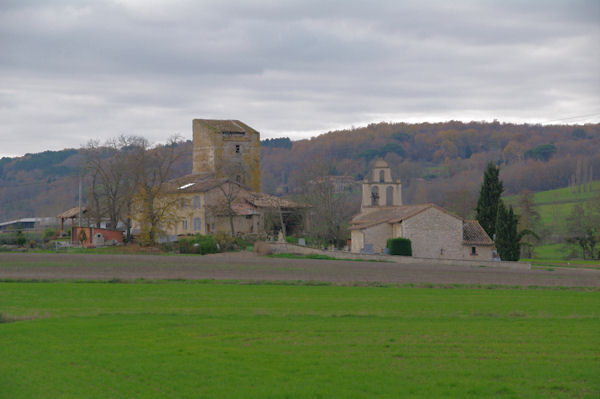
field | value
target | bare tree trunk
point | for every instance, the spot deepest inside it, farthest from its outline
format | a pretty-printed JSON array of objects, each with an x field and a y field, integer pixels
[{"x": 281, "y": 221}]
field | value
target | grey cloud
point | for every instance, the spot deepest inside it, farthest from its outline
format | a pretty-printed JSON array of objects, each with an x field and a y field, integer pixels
[{"x": 106, "y": 68}]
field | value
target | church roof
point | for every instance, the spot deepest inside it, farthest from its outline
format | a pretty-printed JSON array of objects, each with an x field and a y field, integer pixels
[
  {"x": 474, "y": 234},
  {"x": 393, "y": 214}
]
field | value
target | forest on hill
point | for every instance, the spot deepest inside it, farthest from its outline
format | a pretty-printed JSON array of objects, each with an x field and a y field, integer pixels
[
  {"x": 442, "y": 162},
  {"x": 437, "y": 162}
]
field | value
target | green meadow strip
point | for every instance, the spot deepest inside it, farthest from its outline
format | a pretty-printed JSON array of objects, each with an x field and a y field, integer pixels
[{"x": 174, "y": 339}]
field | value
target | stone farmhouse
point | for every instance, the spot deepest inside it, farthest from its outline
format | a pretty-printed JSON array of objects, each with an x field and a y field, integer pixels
[
  {"x": 224, "y": 184},
  {"x": 434, "y": 232}
]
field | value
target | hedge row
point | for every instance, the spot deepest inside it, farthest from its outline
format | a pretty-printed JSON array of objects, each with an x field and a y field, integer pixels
[{"x": 399, "y": 246}]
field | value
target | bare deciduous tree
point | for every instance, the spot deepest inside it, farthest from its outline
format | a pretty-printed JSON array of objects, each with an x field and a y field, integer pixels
[
  {"x": 114, "y": 178},
  {"x": 331, "y": 209},
  {"x": 154, "y": 210}
]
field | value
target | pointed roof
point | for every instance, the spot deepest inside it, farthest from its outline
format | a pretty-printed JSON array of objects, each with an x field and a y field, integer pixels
[
  {"x": 474, "y": 234},
  {"x": 392, "y": 214}
]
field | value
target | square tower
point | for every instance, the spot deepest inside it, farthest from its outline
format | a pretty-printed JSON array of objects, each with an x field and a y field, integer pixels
[{"x": 227, "y": 149}]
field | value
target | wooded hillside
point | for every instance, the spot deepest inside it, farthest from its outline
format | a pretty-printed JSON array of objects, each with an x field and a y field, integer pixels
[
  {"x": 444, "y": 162},
  {"x": 437, "y": 162}
]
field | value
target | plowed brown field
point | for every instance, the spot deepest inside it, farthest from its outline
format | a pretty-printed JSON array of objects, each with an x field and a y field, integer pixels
[{"x": 249, "y": 267}]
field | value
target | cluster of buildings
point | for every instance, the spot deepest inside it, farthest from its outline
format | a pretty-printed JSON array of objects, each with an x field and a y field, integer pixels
[{"x": 223, "y": 193}]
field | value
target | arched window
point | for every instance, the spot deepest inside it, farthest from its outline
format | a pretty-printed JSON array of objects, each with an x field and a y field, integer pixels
[
  {"x": 375, "y": 196},
  {"x": 389, "y": 196},
  {"x": 381, "y": 176}
]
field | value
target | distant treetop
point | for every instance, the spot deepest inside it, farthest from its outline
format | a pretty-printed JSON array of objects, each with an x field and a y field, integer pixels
[{"x": 281, "y": 142}]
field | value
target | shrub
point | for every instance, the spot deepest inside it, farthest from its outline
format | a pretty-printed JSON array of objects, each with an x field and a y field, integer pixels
[
  {"x": 198, "y": 244},
  {"x": 399, "y": 246},
  {"x": 291, "y": 240},
  {"x": 48, "y": 235},
  {"x": 262, "y": 248},
  {"x": 225, "y": 242},
  {"x": 21, "y": 239}
]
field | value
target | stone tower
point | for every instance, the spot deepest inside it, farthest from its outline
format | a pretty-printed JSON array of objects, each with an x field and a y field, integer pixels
[
  {"x": 227, "y": 148},
  {"x": 379, "y": 190}
]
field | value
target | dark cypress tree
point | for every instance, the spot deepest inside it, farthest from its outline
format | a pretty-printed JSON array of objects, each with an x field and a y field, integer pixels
[
  {"x": 507, "y": 239},
  {"x": 489, "y": 195}
]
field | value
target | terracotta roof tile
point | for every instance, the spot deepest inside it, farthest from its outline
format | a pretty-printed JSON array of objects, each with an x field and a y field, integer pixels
[
  {"x": 387, "y": 215},
  {"x": 473, "y": 233}
]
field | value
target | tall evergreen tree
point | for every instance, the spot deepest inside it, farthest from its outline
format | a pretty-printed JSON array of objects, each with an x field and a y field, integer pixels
[
  {"x": 507, "y": 239},
  {"x": 489, "y": 195}
]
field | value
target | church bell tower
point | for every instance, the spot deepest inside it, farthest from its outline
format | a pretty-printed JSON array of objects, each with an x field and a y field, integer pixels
[{"x": 379, "y": 190}]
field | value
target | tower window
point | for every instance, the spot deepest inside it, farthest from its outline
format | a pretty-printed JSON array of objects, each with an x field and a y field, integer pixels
[
  {"x": 389, "y": 196},
  {"x": 237, "y": 148},
  {"x": 381, "y": 176},
  {"x": 375, "y": 196}
]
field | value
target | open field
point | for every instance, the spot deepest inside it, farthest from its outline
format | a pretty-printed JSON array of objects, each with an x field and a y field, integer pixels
[
  {"x": 554, "y": 207},
  {"x": 249, "y": 267},
  {"x": 212, "y": 340}
]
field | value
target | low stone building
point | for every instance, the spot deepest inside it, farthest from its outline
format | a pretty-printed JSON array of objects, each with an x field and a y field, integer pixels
[
  {"x": 204, "y": 204},
  {"x": 434, "y": 232}
]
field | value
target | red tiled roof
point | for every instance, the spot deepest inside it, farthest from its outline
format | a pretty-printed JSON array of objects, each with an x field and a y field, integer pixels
[{"x": 473, "y": 233}]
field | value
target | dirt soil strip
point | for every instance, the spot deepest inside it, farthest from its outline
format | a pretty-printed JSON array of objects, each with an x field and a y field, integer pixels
[{"x": 248, "y": 266}]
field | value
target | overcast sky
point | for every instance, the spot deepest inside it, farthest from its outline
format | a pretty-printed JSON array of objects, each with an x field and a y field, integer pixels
[{"x": 75, "y": 70}]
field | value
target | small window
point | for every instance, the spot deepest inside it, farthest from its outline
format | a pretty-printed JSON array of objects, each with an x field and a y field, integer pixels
[
  {"x": 389, "y": 196},
  {"x": 185, "y": 224},
  {"x": 375, "y": 196},
  {"x": 197, "y": 224},
  {"x": 237, "y": 148},
  {"x": 381, "y": 176},
  {"x": 473, "y": 250}
]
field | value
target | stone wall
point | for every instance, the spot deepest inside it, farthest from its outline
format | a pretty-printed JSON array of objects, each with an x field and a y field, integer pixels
[
  {"x": 377, "y": 236},
  {"x": 299, "y": 250},
  {"x": 434, "y": 234},
  {"x": 221, "y": 155}
]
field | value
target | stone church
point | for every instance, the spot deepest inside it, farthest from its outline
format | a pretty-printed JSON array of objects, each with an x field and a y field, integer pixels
[{"x": 434, "y": 232}]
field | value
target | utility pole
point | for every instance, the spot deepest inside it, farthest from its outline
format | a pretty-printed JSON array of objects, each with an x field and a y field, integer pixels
[{"x": 79, "y": 201}]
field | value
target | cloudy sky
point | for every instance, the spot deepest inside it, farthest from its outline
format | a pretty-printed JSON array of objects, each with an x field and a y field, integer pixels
[{"x": 75, "y": 70}]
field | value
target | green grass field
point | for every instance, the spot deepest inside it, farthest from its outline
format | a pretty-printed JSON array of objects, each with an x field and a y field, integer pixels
[
  {"x": 554, "y": 207},
  {"x": 212, "y": 340},
  {"x": 560, "y": 195}
]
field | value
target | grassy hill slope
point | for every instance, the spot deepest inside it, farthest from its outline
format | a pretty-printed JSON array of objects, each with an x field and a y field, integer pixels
[{"x": 554, "y": 207}]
